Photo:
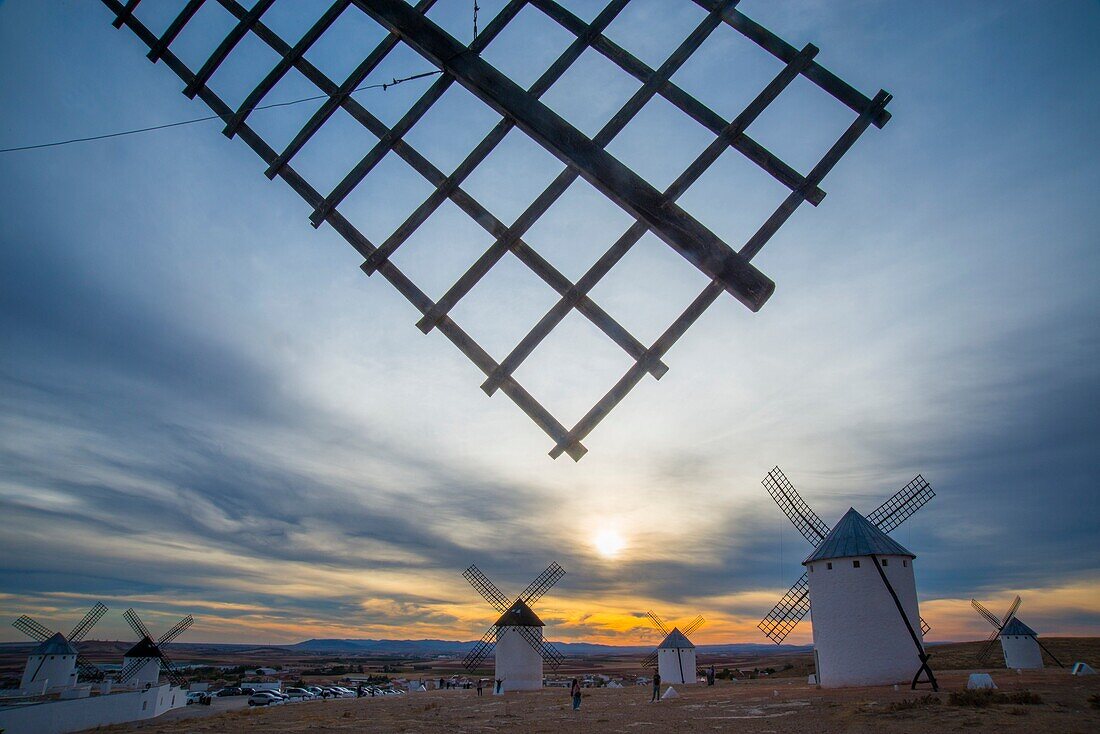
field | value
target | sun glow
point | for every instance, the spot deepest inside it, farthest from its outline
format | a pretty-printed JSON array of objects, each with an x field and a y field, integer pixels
[{"x": 608, "y": 543}]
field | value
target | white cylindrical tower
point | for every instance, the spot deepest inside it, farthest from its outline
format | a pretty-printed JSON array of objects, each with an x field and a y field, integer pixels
[
  {"x": 54, "y": 661},
  {"x": 860, "y": 637},
  {"x": 142, "y": 663},
  {"x": 676, "y": 658},
  {"x": 518, "y": 662},
  {"x": 1020, "y": 646}
]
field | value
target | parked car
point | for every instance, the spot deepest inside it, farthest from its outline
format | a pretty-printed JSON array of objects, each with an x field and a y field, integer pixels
[
  {"x": 202, "y": 697},
  {"x": 263, "y": 698},
  {"x": 229, "y": 692},
  {"x": 298, "y": 694}
]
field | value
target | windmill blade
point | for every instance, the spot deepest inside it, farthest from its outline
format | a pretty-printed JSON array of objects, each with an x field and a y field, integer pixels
[
  {"x": 130, "y": 670},
  {"x": 481, "y": 650},
  {"x": 925, "y": 628},
  {"x": 650, "y": 660},
  {"x": 693, "y": 625},
  {"x": 1011, "y": 612},
  {"x": 486, "y": 588},
  {"x": 542, "y": 583},
  {"x": 86, "y": 624},
  {"x": 988, "y": 615},
  {"x": 170, "y": 671},
  {"x": 794, "y": 507},
  {"x": 987, "y": 649},
  {"x": 136, "y": 624},
  {"x": 32, "y": 629},
  {"x": 549, "y": 653},
  {"x": 88, "y": 669},
  {"x": 657, "y": 621},
  {"x": 902, "y": 505},
  {"x": 786, "y": 614},
  {"x": 178, "y": 629}
]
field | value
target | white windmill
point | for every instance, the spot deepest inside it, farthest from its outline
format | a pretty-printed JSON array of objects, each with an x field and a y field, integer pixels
[
  {"x": 517, "y": 635},
  {"x": 1019, "y": 643},
  {"x": 142, "y": 663},
  {"x": 859, "y": 581},
  {"x": 675, "y": 656},
  {"x": 56, "y": 663}
]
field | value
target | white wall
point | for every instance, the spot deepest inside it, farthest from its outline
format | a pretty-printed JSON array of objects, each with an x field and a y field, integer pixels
[
  {"x": 58, "y": 717},
  {"x": 670, "y": 662},
  {"x": 518, "y": 664},
  {"x": 859, "y": 636},
  {"x": 59, "y": 670},
  {"x": 1021, "y": 651},
  {"x": 148, "y": 673}
]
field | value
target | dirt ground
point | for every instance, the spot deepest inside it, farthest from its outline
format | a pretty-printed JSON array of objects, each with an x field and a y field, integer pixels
[{"x": 786, "y": 705}]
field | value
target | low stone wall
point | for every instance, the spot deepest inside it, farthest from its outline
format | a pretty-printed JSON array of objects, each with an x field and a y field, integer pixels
[{"x": 59, "y": 717}]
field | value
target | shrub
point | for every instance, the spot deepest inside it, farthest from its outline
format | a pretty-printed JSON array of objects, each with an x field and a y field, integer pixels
[
  {"x": 913, "y": 703},
  {"x": 1094, "y": 700},
  {"x": 985, "y": 697}
]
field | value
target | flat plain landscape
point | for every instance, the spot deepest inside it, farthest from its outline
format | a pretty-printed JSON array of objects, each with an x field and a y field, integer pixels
[{"x": 784, "y": 702}]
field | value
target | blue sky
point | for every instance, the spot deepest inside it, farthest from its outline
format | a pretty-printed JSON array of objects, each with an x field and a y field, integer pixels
[{"x": 206, "y": 407}]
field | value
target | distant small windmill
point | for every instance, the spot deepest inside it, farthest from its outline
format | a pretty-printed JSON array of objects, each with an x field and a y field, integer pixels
[
  {"x": 143, "y": 662},
  {"x": 1019, "y": 642},
  {"x": 675, "y": 656},
  {"x": 59, "y": 642},
  {"x": 857, "y": 640},
  {"x": 517, "y": 634}
]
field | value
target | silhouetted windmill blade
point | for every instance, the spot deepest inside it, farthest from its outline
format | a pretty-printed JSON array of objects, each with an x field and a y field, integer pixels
[
  {"x": 987, "y": 649},
  {"x": 480, "y": 650},
  {"x": 129, "y": 670},
  {"x": 988, "y": 615},
  {"x": 901, "y": 506},
  {"x": 88, "y": 669},
  {"x": 794, "y": 507},
  {"x": 177, "y": 629},
  {"x": 486, "y": 588},
  {"x": 650, "y": 660},
  {"x": 136, "y": 624},
  {"x": 693, "y": 625},
  {"x": 788, "y": 612},
  {"x": 925, "y": 628},
  {"x": 170, "y": 671},
  {"x": 550, "y": 654},
  {"x": 86, "y": 624},
  {"x": 657, "y": 621},
  {"x": 32, "y": 629},
  {"x": 1011, "y": 612},
  {"x": 542, "y": 583}
]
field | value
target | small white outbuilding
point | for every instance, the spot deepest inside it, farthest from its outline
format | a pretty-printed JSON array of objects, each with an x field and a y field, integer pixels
[
  {"x": 51, "y": 665},
  {"x": 676, "y": 658},
  {"x": 1020, "y": 647},
  {"x": 860, "y": 637}
]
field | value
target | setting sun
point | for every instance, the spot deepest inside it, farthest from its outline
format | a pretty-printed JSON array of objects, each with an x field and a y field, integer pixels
[{"x": 608, "y": 543}]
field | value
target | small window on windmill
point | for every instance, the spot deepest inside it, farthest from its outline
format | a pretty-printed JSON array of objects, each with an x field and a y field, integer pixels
[
  {"x": 828, "y": 567},
  {"x": 884, "y": 562},
  {"x": 811, "y": 568},
  {"x": 905, "y": 562},
  {"x": 855, "y": 564}
]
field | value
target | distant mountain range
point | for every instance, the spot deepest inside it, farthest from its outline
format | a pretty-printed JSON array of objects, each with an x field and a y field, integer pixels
[
  {"x": 418, "y": 648},
  {"x": 452, "y": 647}
]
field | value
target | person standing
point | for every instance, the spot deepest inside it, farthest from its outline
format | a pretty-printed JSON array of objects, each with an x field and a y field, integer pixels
[
  {"x": 575, "y": 692},
  {"x": 479, "y": 684},
  {"x": 656, "y": 687}
]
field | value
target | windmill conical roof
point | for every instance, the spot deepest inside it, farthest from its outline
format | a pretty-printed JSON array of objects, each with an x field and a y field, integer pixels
[
  {"x": 1016, "y": 627},
  {"x": 676, "y": 640},
  {"x": 519, "y": 615},
  {"x": 56, "y": 645},
  {"x": 854, "y": 535},
  {"x": 144, "y": 649}
]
